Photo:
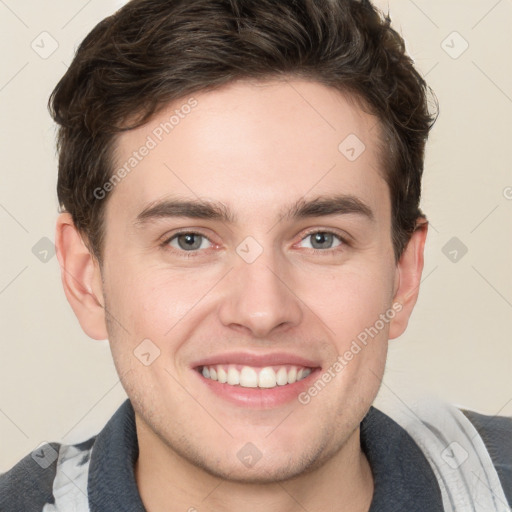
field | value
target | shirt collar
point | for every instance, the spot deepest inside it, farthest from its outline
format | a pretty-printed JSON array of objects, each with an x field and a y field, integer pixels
[
  {"x": 111, "y": 485},
  {"x": 403, "y": 478}
]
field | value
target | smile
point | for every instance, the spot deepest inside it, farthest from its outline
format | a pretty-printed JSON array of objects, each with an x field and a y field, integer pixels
[{"x": 254, "y": 377}]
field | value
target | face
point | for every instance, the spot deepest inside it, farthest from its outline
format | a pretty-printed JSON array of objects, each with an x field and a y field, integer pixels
[{"x": 251, "y": 243}]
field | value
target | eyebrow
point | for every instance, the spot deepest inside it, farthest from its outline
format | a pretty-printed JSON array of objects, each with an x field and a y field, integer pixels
[{"x": 322, "y": 206}]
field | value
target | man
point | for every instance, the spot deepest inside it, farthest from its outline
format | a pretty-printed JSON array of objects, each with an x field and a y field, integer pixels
[{"x": 240, "y": 184}]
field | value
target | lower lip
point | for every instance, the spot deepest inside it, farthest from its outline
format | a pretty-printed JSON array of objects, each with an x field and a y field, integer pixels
[{"x": 259, "y": 398}]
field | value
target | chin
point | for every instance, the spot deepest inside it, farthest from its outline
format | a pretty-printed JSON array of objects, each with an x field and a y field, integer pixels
[{"x": 260, "y": 473}]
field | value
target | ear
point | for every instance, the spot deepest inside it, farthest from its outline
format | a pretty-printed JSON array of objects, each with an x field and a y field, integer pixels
[
  {"x": 81, "y": 278},
  {"x": 408, "y": 279}
]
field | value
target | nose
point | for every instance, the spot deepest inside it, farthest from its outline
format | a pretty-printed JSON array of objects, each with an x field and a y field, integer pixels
[{"x": 259, "y": 298}]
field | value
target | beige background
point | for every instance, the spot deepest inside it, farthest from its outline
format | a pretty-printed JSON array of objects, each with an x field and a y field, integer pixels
[{"x": 58, "y": 385}]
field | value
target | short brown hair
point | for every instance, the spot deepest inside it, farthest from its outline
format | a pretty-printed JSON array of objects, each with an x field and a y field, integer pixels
[{"x": 152, "y": 52}]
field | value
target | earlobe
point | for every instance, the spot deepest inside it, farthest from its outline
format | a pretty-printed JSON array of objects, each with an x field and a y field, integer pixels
[
  {"x": 81, "y": 278},
  {"x": 408, "y": 279}
]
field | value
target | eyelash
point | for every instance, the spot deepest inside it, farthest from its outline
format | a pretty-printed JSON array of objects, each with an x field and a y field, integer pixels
[{"x": 195, "y": 253}]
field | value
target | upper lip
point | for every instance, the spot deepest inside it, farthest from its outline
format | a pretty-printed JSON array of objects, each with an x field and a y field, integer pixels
[{"x": 257, "y": 360}]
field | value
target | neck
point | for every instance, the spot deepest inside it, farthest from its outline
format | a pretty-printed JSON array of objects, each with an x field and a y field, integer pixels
[{"x": 168, "y": 482}]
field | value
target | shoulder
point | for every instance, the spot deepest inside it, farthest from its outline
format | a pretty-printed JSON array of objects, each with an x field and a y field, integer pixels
[
  {"x": 29, "y": 485},
  {"x": 496, "y": 433}
]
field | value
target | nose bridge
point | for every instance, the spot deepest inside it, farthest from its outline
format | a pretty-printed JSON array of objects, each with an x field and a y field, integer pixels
[{"x": 258, "y": 296}]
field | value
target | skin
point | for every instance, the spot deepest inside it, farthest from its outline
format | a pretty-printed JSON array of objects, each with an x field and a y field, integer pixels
[{"x": 257, "y": 148}]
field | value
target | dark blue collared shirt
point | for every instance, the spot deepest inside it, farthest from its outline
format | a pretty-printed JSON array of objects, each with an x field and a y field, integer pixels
[{"x": 403, "y": 478}]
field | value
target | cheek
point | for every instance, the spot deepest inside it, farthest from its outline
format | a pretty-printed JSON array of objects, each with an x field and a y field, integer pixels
[
  {"x": 350, "y": 298},
  {"x": 151, "y": 300}
]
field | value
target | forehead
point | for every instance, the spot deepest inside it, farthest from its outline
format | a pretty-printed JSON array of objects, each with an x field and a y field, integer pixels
[{"x": 254, "y": 147}]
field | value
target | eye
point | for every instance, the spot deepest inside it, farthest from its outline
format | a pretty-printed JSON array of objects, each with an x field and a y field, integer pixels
[
  {"x": 191, "y": 242},
  {"x": 188, "y": 241},
  {"x": 323, "y": 240}
]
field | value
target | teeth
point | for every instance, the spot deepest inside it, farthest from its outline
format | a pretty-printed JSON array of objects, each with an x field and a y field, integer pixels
[
  {"x": 282, "y": 376},
  {"x": 222, "y": 376},
  {"x": 267, "y": 378},
  {"x": 249, "y": 377},
  {"x": 233, "y": 376}
]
